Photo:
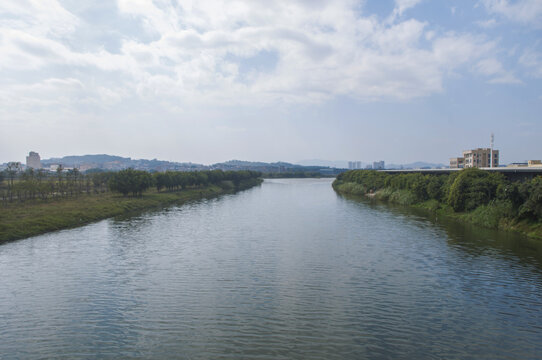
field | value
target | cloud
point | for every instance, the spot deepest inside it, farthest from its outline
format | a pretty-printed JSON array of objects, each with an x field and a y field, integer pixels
[
  {"x": 402, "y": 5},
  {"x": 196, "y": 52},
  {"x": 37, "y": 17},
  {"x": 493, "y": 69},
  {"x": 487, "y": 24},
  {"x": 523, "y": 11}
]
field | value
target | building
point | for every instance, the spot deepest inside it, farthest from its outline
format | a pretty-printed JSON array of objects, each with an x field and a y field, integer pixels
[
  {"x": 517, "y": 165},
  {"x": 530, "y": 163},
  {"x": 33, "y": 160},
  {"x": 457, "y": 163},
  {"x": 481, "y": 157},
  {"x": 378, "y": 165},
  {"x": 353, "y": 165}
]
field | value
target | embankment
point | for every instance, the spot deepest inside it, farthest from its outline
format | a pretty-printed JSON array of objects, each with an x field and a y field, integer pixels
[
  {"x": 21, "y": 220},
  {"x": 472, "y": 195}
]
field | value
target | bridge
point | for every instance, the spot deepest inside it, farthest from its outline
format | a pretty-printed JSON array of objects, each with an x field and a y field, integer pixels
[{"x": 511, "y": 173}]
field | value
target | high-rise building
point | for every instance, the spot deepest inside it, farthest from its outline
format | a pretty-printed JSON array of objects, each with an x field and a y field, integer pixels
[
  {"x": 33, "y": 160},
  {"x": 353, "y": 165},
  {"x": 378, "y": 165}
]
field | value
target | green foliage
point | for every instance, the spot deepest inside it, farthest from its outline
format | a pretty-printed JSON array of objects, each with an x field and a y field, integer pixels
[
  {"x": 491, "y": 214},
  {"x": 130, "y": 181},
  {"x": 472, "y": 188},
  {"x": 488, "y": 198},
  {"x": 176, "y": 180},
  {"x": 532, "y": 192}
]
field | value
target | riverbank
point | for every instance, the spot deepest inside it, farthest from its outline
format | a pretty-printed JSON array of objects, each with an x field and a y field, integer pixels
[
  {"x": 21, "y": 220},
  {"x": 492, "y": 215}
]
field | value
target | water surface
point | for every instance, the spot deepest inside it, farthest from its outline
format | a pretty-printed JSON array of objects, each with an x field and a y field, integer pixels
[{"x": 288, "y": 270}]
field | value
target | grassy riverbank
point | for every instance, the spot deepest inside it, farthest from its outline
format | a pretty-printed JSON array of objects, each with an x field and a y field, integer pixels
[
  {"x": 21, "y": 220},
  {"x": 471, "y": 196}
]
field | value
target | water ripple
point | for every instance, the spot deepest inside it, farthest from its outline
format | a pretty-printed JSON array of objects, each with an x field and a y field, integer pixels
[{"x": 286, "y": 271}]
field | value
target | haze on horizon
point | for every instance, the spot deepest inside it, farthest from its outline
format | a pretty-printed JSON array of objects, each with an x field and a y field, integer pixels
[{"x": 208, "y": 81}]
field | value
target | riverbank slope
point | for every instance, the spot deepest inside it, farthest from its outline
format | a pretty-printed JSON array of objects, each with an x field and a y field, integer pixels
[
  {"x": 469, "y": 196},
  {"x": 21, "y": 220}
]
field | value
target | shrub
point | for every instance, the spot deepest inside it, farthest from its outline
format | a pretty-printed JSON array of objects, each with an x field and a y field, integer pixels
[{"x": 472, "y": 188}]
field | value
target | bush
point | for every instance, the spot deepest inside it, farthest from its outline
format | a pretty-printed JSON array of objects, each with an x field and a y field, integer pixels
[
  {"x": 489, "y": 195},
  {"x": 532, "y": 207},
  {"x": 472, "y": 188},
  {"x": 490, "y": 215}
]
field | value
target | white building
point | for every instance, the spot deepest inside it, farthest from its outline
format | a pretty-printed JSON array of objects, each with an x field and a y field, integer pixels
[
  {"x": 378, "y": 165},
  {"x": 353, "y": 165}
]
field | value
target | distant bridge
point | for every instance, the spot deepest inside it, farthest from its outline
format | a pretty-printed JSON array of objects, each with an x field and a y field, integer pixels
[{"x": 511, "y": 173}]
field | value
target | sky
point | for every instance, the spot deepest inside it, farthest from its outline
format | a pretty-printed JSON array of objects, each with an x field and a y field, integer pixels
[{"x": 208, "y": 81}]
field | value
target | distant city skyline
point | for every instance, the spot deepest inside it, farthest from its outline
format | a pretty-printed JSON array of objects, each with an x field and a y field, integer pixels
[{"x": 210, "y": 81}]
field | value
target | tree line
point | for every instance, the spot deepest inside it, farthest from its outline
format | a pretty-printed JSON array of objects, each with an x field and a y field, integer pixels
[
  {"x": 135, "y": 182},
  {"x": 463, "y": 191},
  {"x": 20, "y": 186}
]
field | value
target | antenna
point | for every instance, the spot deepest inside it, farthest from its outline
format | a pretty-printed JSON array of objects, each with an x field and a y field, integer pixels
[{"x": 491, "y": 154}]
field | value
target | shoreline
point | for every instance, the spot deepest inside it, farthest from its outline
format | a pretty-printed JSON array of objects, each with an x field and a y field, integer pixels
[
  {"x": 20, "y": 221},
  {"x": 525, "y": 228}
]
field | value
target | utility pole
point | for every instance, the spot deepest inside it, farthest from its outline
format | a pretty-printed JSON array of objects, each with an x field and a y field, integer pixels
[{"x": 491, "y": 154}]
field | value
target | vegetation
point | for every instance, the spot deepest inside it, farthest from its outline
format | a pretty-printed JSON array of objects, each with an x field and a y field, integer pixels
[
  {"x": 478, "y": 196},
  {"x": 33, "y": 185},
  {"x": 35, "y": 204}
]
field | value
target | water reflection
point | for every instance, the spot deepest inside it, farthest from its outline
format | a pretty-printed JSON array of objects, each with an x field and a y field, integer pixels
[{"x": 472, "y": 239}]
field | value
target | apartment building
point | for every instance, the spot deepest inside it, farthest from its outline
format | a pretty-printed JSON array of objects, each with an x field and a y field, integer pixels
[
  {"x": 457, "y": 163},
  {"x": 481, "y": 157}
]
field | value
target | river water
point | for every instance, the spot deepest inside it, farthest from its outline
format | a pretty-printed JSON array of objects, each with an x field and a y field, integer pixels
[{"x": 287, "y": 270}]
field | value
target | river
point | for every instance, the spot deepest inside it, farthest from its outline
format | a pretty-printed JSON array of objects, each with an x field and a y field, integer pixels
[{"x": 286, "y": 270}]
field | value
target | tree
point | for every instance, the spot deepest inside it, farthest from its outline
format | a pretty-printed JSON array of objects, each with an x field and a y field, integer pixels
[
  {"x": 12, "y": 169},
  {"x": 473, "y": 187},
  {"x": 131, "y": 181}
]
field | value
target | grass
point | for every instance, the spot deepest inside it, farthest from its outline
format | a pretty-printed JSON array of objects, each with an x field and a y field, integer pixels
[
  {"x": 496, "y": 215},
  {"x": 21, "y": 220}
]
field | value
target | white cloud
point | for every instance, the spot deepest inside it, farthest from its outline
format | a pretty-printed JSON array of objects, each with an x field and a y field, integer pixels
[
  {"x": 524, "y": 11},
  {"x": 37, "y": 17},
  {"x": 402, "y": 5},
  {"x": 493, "y": 69},
  {"x": 199, "y": 51},
  {"x": 487, "y": 24}
]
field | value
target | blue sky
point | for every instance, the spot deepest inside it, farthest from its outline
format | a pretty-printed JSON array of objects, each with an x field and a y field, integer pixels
[{"x": 208, "y": 81}]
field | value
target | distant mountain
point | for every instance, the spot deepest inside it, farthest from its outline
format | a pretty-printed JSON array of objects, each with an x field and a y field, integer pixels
[
  {"x": 110, "y": 162},
  {"x": 344, "y": 164},
  {"x": 74, "y": 160},
  {"x": 276, "y": 167},
  {"x": 339, "y": 164},
  {"x": 416, "y": 165}
]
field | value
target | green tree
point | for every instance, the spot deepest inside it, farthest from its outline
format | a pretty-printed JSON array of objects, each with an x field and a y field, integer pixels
[
  {"x": 472, "y": 188},
  {"x": 131, "y": 181}
]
